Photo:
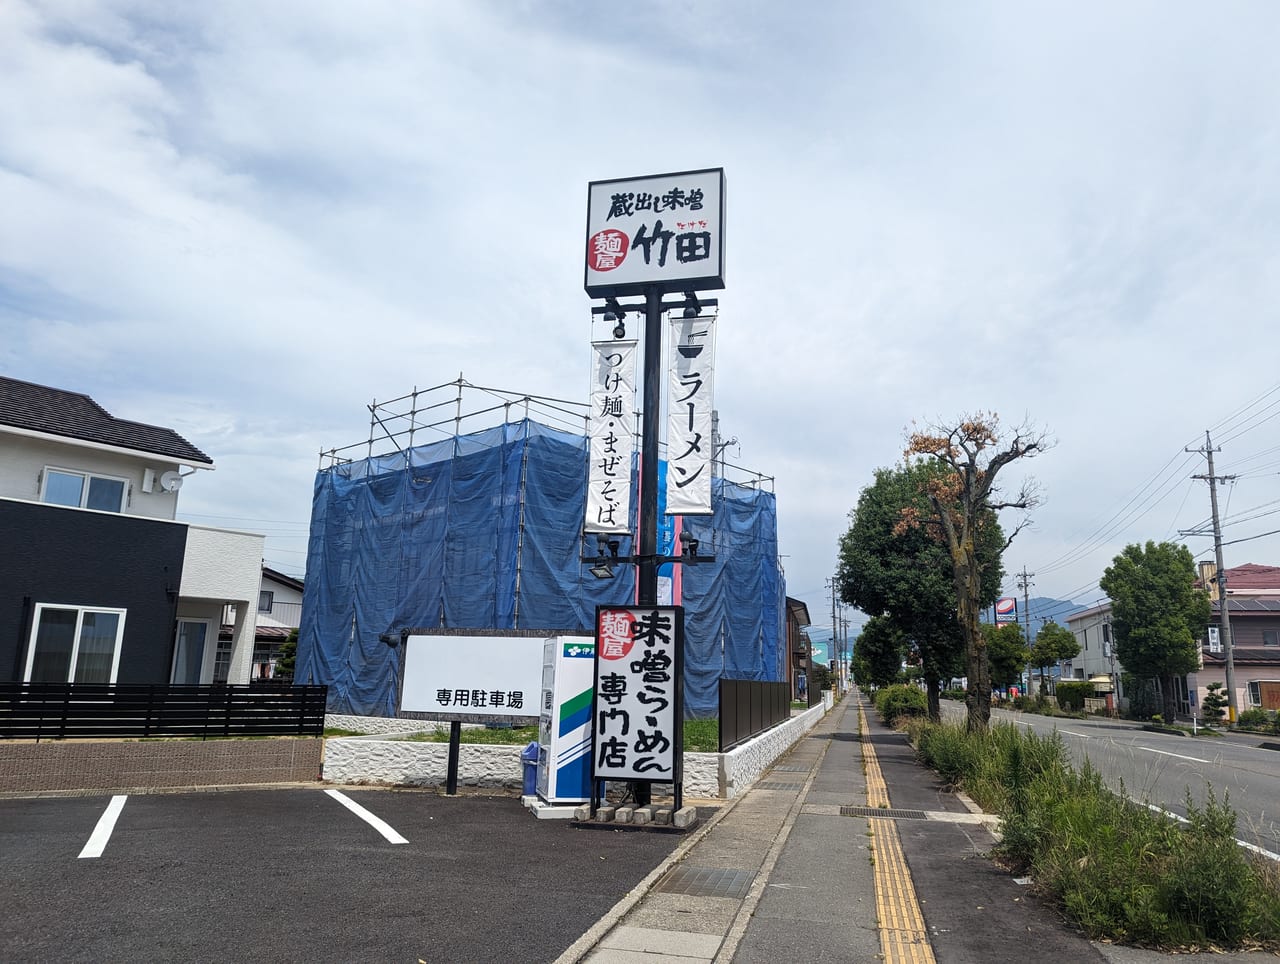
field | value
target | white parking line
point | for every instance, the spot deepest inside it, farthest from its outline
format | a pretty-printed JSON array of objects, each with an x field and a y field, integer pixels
[
  {"x": 377, "y": 823},
  {"x": 102, "y": 832}
]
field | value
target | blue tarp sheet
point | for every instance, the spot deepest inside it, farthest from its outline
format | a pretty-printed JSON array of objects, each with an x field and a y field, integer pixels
[{"x": 483, "y": 531}]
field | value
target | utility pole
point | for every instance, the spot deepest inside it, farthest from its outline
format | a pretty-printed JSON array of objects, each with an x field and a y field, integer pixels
[
  {"x": 835, "y": 633},
  {"x": 1025, "y": 584},
  {"x": 1223, "y": 610}
]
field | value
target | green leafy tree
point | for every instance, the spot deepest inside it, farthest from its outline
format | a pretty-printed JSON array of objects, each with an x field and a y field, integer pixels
[
  {"x": 881, "y": 646},
  {"x": 288, "y": 655},
  {"x": 1053, "y": 644},
  {"x": 904, "y": 574},
  {"x": 819, "y": 677},
  {"x": 967, "y": 457},
  {"x": 1007, "y": 652},
  {"x": 1158, "y": 615}
]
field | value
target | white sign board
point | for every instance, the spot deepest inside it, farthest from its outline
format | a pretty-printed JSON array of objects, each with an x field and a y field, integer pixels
[
  {"x": 665, "y": 230},
  {"x": 613, "y": 407},
  {"x": 691, "y": 380},
  {"x": 637, "y": 693},
  {"x": 472, "y": 675}
]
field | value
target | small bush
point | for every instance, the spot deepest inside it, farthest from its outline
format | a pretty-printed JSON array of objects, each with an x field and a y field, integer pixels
[
  {"x": 1256, "y": 718},
  {"x": 1071, "y": 696},
  {"x": 896, "y": 703},
  {"x": 953, "y": 694}
]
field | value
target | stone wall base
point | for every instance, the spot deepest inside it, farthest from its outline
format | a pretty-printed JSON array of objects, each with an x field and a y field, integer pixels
[{"x": 123, "y": 766}]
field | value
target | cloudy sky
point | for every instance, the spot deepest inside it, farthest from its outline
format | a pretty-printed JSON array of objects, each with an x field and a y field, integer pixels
[{"x": 245, "y": 220}]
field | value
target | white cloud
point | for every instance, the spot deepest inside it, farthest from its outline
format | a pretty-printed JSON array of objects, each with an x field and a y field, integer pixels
[{"x": 246, "y": 220}]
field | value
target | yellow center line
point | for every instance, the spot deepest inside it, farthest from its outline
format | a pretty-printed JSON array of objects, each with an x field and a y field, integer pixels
[{"x": 903, "y": 939}]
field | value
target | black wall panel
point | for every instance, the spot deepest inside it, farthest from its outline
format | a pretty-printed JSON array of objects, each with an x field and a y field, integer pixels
[{"x": 72, "y": 557}]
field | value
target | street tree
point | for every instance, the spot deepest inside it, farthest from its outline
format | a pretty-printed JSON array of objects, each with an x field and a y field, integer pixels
[
  {"x": 964, "y": 501},
  {"x": 1157, "y": 613},
  {"x": 881, "y": 648},
  {"x": 1053, "y": 644},
  {"x": 906, "y": 576},
  {"x": 1007, "y": 653}
]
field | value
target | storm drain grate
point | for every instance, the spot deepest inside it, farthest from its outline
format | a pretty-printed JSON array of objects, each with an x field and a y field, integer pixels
[
  {"x": 780, "y": 785},
  {"x": 882, "y": 812},
  {"x": 794, "y": 767},
  {"x": 706, "y": 882}
]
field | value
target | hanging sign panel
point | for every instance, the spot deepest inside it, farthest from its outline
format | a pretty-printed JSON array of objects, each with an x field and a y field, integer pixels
[
  {"x": 691, "y": 377},
  {"x": 613, "y": 404},
  {"x": 664, "y": 230},
  {"x": 638, "y": 703}
]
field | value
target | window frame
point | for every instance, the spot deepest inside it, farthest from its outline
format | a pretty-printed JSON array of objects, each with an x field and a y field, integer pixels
[
  {"x": 1275, "y": 637},
  {"x": 270, "y": 597},
  {"x": 75, "y": 645},
  {"x": 84, "y": 490}
]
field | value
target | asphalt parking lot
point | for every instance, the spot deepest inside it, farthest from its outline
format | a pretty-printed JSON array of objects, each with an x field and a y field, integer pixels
[{"x": 298, "y": 874}]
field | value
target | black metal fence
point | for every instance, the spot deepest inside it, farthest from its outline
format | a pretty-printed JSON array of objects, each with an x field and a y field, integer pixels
[
  {"x": 47, "y": 711},
  {"x": 749, "y": 707}
]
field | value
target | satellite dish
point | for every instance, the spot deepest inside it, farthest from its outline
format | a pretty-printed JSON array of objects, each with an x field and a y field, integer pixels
[{"x": 171, "y": 481}]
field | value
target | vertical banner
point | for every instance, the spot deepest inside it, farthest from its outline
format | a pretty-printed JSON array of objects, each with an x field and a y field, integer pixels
[
  {"x": 638, "y": 704},
  {"x": 691, "y": 380},
  {"x": 613, "y": 405}
]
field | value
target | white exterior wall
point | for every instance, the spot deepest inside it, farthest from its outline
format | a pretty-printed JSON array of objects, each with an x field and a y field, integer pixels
[
  {"x": 225, "y": 566},
  {"x": 286, "y": 602},
  {"x": 25, "y": 458}
]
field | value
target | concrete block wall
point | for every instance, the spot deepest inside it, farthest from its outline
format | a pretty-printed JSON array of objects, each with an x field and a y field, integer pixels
[
  {"x": 122, "y": 766},
  {"x": 367, "y": 759}
]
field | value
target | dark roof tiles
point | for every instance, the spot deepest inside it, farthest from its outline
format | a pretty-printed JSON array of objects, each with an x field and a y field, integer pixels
[{"x": 53, "y": 411}]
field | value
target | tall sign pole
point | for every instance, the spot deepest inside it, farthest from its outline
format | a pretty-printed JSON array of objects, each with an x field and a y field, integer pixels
[{"x": 650, "y": 236}]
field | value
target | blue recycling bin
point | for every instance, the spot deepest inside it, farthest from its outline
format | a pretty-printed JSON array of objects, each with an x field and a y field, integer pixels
[{"x": 529, "y": 757}]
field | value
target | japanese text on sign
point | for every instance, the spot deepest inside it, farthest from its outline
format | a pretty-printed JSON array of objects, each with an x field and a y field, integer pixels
[
  {"x": 691, "y": 378},
  {"x": 637, "y": 682},
  {"x": 613, "y": 399}
]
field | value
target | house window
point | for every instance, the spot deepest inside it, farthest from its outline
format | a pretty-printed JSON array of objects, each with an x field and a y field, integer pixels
[
  {"x": 265, "y": 600},
  {"x": 1271, "y": 637},
  {"x": 1255, "y": 693},
  {"x": 1215, "y": 640},
  {"x": 81, "y": 490},
  {"x": 222, "y": 661},
  {"x": 70, "y": 644}
]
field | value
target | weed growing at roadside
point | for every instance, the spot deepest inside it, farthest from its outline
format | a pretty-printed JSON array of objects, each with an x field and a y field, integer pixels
[{"x": 1121, "y": 871}]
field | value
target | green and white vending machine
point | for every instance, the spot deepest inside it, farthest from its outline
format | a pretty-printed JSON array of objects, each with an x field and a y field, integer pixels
[{"x": 564, "y": 725}]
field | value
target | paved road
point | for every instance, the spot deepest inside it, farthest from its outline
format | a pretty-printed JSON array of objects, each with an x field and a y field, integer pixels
[
  {"x": 1160, "y": 768},
  {"x": 293, "y": 874}
]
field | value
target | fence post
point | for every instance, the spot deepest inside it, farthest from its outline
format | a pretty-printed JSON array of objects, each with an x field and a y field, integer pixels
[{"x": 226, "y": 723}]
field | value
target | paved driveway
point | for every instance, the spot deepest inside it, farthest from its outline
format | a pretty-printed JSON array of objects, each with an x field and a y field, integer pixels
[{"x": 297, "y": 874}]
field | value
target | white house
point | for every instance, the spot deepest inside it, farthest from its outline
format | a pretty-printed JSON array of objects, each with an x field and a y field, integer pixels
[{"x": 98, "y": 581}]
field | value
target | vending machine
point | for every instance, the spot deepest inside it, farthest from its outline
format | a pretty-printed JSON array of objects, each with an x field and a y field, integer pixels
[{"x": 564, "y": 724}]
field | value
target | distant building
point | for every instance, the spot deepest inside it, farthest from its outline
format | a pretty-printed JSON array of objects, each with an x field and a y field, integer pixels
[{"x": 98, "y": 582}]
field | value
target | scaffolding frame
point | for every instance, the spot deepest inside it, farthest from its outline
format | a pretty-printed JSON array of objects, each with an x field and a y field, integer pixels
[{"x": 396, "y": 423}]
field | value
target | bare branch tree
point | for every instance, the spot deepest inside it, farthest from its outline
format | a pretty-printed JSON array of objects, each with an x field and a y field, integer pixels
[{"x": 974, "y": 450}]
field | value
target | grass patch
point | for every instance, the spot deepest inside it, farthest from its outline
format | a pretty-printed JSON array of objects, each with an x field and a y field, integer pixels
[
  {"x": 513, "y": 735},
  {"x": 339, "y": 731},
  {"x": 700, "y": 736},
  {"x": 1119, "y": 870}
]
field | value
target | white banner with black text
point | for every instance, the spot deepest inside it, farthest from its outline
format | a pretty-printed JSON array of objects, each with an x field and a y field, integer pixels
[
  {"x": 691, "y": 378},
  {"x": 613, "y": 406}
]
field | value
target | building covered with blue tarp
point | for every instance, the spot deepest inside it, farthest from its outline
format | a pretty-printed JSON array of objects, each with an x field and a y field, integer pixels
[{"x": 484, "y": 531}]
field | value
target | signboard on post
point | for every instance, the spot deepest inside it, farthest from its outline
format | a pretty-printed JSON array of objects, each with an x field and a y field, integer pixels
[
  {"x": 663, "y": 232},
  {"x": 1006, "y": 610},
  {"x": 472, "y": 675},
  {"x": 638, "y": 705}
]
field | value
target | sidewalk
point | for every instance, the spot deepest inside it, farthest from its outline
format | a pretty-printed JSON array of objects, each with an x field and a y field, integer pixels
[{"x": 845, "y": 850}]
